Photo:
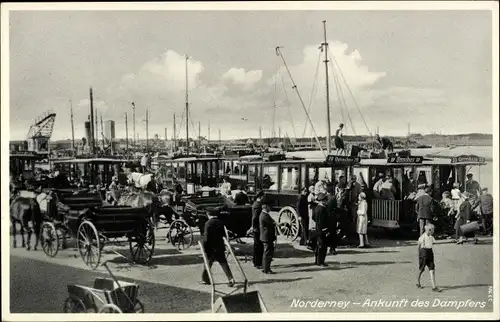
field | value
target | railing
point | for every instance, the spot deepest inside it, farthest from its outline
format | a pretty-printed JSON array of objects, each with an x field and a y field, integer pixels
[{"x": 383, "y": 209}]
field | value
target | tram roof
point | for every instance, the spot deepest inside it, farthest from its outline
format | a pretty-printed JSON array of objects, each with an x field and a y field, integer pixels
[
  {"x": 27, "y": 156},
  {"x": 93, "y": 160}
]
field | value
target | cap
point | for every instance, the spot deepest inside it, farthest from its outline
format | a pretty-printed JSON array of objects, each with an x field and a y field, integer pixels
[
  {"x": 469, "y": 175},
  {"x": 362, "y": 195},
  {"x": 265, "y": 200}
]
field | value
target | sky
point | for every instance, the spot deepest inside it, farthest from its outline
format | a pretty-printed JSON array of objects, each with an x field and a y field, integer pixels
[{"x": 387, "y": 69}]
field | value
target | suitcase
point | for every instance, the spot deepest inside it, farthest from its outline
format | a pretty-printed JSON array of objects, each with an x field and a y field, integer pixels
[{"x": 470, "y": 229}]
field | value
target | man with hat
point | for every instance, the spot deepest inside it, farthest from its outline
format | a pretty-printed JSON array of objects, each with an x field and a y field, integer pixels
[
  {"x": 472, "y": 186},
  {"x": 258, "y": 247},
  {"x": 214, "y": 246},
  {"x": 322, "y": 229},
  {"x": 486, "y": 207},
  {"x": 424, "y": 211},
  {"x": 267, "y": 234}
]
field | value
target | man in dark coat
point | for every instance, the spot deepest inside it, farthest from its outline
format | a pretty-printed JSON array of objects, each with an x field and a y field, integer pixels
[
  {"x": 213, "y": 244},
  {"x": 303, "y": 212},
  {"x": 322, "y": 228},
  {"x": 267, "y": 234},
  {"x": 258, "y": 247},
  {"x": 331, "y": 208},
  {"x": 240, "y": 198},
  {"x": 424, "y": 209}
]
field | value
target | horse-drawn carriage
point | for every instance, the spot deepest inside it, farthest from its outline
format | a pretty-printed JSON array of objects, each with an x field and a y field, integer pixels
[{"x": 85, "y": 217}]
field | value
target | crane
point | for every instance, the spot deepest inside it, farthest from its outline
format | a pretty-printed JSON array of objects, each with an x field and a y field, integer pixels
[{"x": 40, "y": 133}]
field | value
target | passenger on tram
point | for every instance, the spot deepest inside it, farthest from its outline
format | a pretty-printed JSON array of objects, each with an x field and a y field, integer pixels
[
  {"x": 387, "y": 189},
  {"x": 240, "y": 196},
  {"x": 225, "y": 188},
  {"x": 378, "y": 185},
  {"x": 114, "y": 192}
]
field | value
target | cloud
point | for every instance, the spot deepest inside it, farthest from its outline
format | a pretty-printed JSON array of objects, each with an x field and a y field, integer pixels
[
  {"x": 246, "y": 79},
  {"x": 224, "y": 98}
]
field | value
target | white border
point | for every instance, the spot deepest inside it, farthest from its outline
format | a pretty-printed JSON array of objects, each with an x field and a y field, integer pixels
[{"x": 198, "y": 6}]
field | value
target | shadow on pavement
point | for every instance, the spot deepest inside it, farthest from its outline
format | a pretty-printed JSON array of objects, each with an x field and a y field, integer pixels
[
  {"x": 444, "y": 288},
  {"x": 278, "y": 280}
]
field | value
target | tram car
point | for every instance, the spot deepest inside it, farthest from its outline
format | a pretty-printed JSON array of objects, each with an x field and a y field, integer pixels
[
  {"x": 283, "y": 179},
  {"x": 408, "y": 172}
]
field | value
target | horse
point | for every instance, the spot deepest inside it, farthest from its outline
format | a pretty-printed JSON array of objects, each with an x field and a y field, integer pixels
[
  {"x": 140, "y": 180},
  {"x": 24, "y": 210}
]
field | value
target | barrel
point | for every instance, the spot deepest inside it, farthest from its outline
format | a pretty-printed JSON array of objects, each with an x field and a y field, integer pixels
[{"x": 470, "y": 228}]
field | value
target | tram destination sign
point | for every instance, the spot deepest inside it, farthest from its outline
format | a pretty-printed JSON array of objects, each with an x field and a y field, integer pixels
[
  {"x": 341, "y": 160},
  {"x": 405, "y": 159},
  {"x": 467, "y": 159}
]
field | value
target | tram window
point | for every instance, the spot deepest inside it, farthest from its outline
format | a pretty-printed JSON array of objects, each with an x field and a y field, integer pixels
[
  {"x": 362, "y": 175},
  {"x": 270, "y": 177},
  {"x": 303, "y": 174},
  {"x": 325, "y": 174},
  {"x": 289, "y": 178},
  {"x": 339, "y": 173},
  {"x": 181, "y": 171},
  {"x": 227, "y": 167},
  {"x": 251, "y": 173},
  {"x": 244, "y": 169},
  {"x": 424, "y": 175},
  {"x": 313, "y": 175}
]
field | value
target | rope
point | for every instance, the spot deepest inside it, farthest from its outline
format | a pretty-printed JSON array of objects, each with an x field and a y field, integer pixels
[
  {"x": 288, "y": 104},
  {"x": 337, "y": 89},
  {"x": 341, "y": 95},
  {"x": 352, "y": 95},
  {"x": 313, "y": 92},
  {"x": 278, "y": 52}
]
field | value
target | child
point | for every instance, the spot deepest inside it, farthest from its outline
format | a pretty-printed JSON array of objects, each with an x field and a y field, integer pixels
[
  {"x": 362, "y": 221},
  {"x": 426, "y": 255}
]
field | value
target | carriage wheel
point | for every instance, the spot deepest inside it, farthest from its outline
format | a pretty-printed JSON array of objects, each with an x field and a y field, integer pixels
[
  {"x": 142, "y": 244},
  {"x": 139, "y": 307},
  {"x": 288, "y": 223},
  {"x": 74, "y": 305},
  {"x": 180, "y": 234},
  {"x": 88, "y": 244},
  {"x": 49, "y": 239},
  {"x": 110, "y": 308}
]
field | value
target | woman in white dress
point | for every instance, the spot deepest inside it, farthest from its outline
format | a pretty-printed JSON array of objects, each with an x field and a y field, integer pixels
[{"x": 362, "y": 225}]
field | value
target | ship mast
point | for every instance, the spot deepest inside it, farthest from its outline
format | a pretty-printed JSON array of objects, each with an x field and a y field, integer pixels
[
  {"x": 187, "y": 108},
  {"x": 324, "y": 46},
  {"x": 72, "y": 129}
]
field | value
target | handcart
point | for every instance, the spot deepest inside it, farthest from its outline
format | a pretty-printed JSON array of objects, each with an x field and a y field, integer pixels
[
  {"x": 107, "y": 296},
  {"x": 245, "y": 302}
]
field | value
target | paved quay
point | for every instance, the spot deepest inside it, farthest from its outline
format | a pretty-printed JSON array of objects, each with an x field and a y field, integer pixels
[{"x": 379, "y": 279}]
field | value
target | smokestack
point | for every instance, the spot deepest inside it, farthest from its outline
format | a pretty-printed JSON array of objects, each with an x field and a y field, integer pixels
[{"x": 92, "y": 140}]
